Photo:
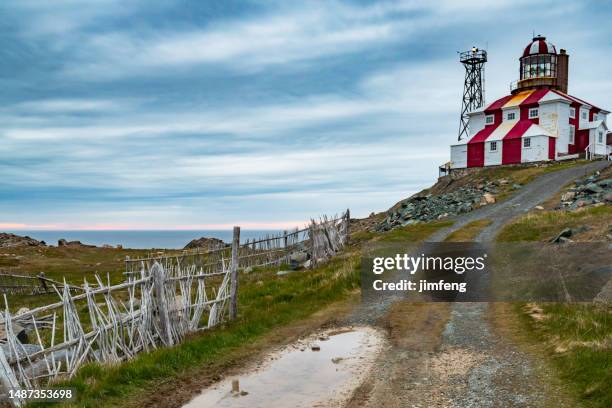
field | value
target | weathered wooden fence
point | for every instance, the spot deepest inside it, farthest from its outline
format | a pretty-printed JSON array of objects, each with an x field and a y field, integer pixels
[
  {"x": 163, "y": 299},
  {"x": 21, "y": 283}
]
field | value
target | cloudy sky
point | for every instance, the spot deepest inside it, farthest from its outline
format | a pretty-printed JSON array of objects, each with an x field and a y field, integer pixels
[{"x": 204, "y": 114}]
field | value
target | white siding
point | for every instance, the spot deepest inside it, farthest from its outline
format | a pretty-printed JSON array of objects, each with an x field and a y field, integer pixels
[
  {"x": 598, "y": 148},
  {"x": 459, "y": 156},
  {"x": 476, "y": 123},
  {"x": 581, "y": 112},
  {"x": 538, "y": 151},
  {"x": 554, "y": 117},
  {"x": 493, "y": 158},
  {"x": 517, "y": 114}
]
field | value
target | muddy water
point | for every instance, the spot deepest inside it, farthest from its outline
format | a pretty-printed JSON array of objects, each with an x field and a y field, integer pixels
[{"x": 297, "y": 376}]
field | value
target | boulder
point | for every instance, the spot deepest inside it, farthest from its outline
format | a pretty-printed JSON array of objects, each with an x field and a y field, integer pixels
[
  {"x": 568, "y": 196},
  {"x": 605, "y": 183},
  {"x": 592, "y": 188},
  {"x": 607, "y": 197},
  {"x": 488, "y": 198},
  {"x": 566, "y": 233},
  {"x": 22, "y": 351}
]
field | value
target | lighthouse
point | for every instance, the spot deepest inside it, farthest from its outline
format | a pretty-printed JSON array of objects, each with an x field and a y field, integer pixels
[{"x": 537, "y": 121}]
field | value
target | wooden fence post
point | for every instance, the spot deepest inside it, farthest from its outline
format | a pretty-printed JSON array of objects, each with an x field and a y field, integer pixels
[
  {"x": 159, "y": 282},
  {"x": 234, "y": 274},
  {"x": 348, "y": 224},
  {"x": 43, "y": 282},
  {"x": 9, "y": 380}
]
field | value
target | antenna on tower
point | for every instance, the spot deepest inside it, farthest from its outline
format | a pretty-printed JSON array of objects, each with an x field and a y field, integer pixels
[{"x": 473, "y": 86}]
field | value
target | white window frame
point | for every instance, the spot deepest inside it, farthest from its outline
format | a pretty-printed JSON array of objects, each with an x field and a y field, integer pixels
[
  {"x": 493, "y": 147},
  {"x": 585, "y": 115},
  {"x": 513, "y": 116},
  {"x": 600, "y": 137},
  {"x": 533, "y": 115},
  {"x": 527, "y": 142},
  {"x": 572, "y": 112},
  {"x": 572, "y": 134},
  {"x": 489, "y": 119}
]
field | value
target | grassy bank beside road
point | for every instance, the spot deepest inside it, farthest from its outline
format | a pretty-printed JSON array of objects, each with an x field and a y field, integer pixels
[{"x": 575, "y": 338}]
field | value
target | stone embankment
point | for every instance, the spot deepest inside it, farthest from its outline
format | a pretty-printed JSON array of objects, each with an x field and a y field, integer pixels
[{"x": 434, "y": 207}]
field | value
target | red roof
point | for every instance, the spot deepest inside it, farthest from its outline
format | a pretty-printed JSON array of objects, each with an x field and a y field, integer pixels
[
  {"x": 518, "y": 130},
  {"x": 498, "y": 103},
  {"x": 574, "y": 99},
  {"x": 483, "y": 134},
  {"x": 539, "y": 45},
  {"x": 535, "y": 97}
]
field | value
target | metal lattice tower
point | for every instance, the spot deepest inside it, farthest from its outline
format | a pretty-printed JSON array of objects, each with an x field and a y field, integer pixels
[{"x": 473, "y": 87}]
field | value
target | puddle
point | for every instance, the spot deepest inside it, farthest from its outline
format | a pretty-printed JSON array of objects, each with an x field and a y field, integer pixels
[{"x": 297, "y": 376}]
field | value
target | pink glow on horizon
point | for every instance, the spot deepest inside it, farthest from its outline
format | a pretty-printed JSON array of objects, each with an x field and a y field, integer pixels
[{"x": 123, "y": 227}]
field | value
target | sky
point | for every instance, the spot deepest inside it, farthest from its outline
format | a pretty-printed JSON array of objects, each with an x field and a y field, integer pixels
[{"x": 185, "y": 114}]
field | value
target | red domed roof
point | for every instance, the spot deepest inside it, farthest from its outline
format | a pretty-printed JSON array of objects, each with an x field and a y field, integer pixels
[{"x": 539, "y": 45}]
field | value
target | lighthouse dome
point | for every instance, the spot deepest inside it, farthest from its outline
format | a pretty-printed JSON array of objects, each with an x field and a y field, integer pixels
[{"x": 539, "y": 45}]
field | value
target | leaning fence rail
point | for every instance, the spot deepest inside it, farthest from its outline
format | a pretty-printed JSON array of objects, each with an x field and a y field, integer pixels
[{"x": 164, "y": 298}]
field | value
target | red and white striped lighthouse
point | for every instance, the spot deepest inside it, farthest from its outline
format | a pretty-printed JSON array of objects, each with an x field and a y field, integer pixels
[{"x": 537, "y": 121}]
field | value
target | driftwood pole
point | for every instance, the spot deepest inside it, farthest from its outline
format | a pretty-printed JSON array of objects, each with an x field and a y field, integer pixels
[
  {"x": 234, "y": 272},
  {"x": 348, "y": 224},
  {"x": 159, "y": 282}
]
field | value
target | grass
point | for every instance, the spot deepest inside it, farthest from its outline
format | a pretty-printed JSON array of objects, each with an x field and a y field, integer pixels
[
  {"x": 541, "y": 226},
  {"x": 469, "y": 231},
  {"x": 412, "y": 233},
  {"x": 576, "y": 338},
  {"x": 267, "y": 303}
]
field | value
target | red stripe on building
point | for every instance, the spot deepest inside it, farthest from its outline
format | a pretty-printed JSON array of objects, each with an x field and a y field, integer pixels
[
  {"x": 518, "y": 130},
  {"x": 512, "y": 142},
  {"x": 483, "y": 134},
  {"x": 551, "y": 148},
  {"x": 475, "y": 155}
]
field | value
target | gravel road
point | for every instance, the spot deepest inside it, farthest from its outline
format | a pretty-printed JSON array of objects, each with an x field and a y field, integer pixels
[{"x": 470, "y": 365}]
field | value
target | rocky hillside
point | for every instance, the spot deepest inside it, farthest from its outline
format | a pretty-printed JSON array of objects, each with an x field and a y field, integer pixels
[
  {"x": 460, "y": 192},
  {"x": 14, "y": 241},
  {"x": 434, "y": 207}
]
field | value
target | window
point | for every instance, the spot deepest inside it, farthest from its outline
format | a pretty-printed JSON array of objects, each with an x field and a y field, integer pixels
[
  {"x": 527, "y": 142},
  {"x": 533, "y": 113},
  {"x": 600, "y": 137},
  {"x": 572, "y": 135},
  {"x": 585, "y": 115},
  {"x": 538, "y": 66},
  {"x": 572, "y": 113},
  {"x": 511, "y": 116},
  {"x": 493, "y": 146},
  {"x": 489, "y": 120}
]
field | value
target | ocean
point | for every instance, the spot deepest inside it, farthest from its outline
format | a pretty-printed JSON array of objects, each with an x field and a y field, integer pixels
[{"x": 167, "y": 239}]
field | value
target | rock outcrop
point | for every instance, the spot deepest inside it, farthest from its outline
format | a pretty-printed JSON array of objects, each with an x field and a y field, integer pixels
[
  {"x": 13, "y": 241},
  {"x": 64, "y": 243},
  {"x": 205, "y": 243}
]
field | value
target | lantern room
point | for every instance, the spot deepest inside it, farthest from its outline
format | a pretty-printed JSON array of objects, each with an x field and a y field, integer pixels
[{"x": 542, "y": 67}]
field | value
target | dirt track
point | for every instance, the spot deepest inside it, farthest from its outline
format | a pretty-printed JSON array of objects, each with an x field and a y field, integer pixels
[{"x": 458, "y": 359}]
